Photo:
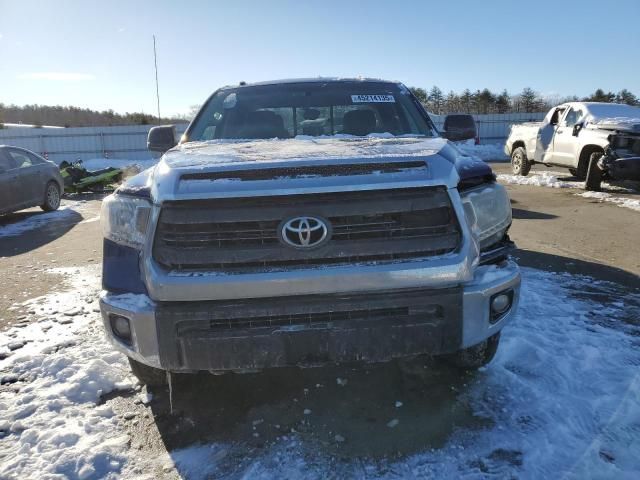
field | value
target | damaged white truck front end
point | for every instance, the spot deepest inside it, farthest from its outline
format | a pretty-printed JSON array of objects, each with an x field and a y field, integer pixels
[{"x": 595, "y": 141}]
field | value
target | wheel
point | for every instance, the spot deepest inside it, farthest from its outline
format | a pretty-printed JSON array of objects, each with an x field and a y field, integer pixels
[
  {"x": 150, "y": 376},
  {"x": 51, "y": 197},
  {"x": 594, "y": 173},
  {"x": 476, "y": 356},
  {"x": 581, "y": 172},
  {"x": 520, "y": 165}
]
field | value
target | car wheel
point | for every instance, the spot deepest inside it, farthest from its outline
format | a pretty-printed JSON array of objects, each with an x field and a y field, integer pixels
[
  {"x": 476, "y": 356},
  {"x": 594, "y": 173},
  {"x": 520, "y": 165},
  {"x": 51, "y": 197},
  {"x": 150, "y": 376}
]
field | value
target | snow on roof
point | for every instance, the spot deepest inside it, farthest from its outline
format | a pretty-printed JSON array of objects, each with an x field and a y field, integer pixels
[{"x": 312, "y": 80}]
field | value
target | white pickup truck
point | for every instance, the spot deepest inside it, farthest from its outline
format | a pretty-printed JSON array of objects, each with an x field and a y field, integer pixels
[{"x": 595, "y": 141}]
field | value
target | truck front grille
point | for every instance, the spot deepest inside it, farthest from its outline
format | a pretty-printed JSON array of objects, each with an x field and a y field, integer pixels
[{"x": 243, "y": 234}]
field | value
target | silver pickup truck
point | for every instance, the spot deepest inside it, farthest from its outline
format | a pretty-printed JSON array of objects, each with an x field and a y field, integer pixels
[
  {"x": 302, "y": 223},
  {"x": 595, "y": 141}
]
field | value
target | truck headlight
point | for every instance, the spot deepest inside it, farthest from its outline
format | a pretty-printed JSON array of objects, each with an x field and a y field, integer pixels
[
  {"x": 488, "y": 212},
  {"x": 125, "y": 220}
]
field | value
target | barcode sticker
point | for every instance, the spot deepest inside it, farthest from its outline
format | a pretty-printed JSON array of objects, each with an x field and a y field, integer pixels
[{"x": 372, "y": 99}]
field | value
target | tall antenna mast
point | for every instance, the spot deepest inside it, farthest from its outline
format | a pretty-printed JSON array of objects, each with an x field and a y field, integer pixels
[{"x": 155, "y": 61}]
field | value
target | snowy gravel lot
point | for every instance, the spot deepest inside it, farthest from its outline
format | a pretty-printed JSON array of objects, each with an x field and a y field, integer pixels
[{"x": 561, "y": 399}]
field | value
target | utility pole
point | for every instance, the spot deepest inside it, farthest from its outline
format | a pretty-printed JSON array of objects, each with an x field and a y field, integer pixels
[{"x": 155, "y": 61}]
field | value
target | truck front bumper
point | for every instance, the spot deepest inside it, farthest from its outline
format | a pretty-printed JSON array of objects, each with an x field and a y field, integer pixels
[
  {"x": 624, "y": 168},
  {"x": 370, "y": 326}
]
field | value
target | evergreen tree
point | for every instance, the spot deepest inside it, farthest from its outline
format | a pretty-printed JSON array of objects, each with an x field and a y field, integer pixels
[
  {"x": 529, "y": 101},
  {"x": 420, "y": 93},
  {"x": 503, "y": 102},
  {"x": 600, "y": 96},
  {"x": 485, "y": 101},
  {"x": 452, "y": 103},
  {"x": 436, "y": 101},
  {"x": 623, "y": 96},
  {"x": 466, "y": 99}
]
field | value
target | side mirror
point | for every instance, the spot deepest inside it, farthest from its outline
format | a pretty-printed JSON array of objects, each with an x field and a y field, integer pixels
[
  {"x": 161, "y": 139},
  {"x": 576, "y": 129},
  {"x": 459, "y": 127}
]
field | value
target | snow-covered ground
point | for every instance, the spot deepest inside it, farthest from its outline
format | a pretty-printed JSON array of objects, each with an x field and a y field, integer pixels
[
  {"x": 551, "y": 179},
  {"x": 561, "y": 399},
  {"x": 487, "y": 152},
  {"x": 40, "y": 219},
  {"x": 607, "y": 197},
  {"x": 51, "y": 425}
]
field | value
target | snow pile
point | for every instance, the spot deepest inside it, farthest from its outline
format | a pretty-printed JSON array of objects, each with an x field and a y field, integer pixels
[
  {"x": 39, "y": 219},
  {"x": 544, "y": 179},
  {"x": 51, "y": 424},
  {"x": 487, "y": 152},
  {"x": 607, "y": 197}
]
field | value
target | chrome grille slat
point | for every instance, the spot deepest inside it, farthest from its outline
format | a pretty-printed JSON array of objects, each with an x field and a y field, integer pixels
[{"x": 369, "y": 226}]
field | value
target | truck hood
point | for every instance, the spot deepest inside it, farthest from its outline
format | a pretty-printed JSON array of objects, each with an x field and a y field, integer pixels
[
  {"x": 233, "y": 168},
  {"x": 625, "y": 124}
]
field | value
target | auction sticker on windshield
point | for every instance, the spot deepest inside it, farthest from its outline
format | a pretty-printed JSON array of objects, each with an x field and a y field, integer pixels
[{"x": 372, "y": 99}]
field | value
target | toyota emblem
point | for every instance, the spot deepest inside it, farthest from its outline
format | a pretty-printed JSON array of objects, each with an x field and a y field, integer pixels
[{"x": 304, "y": 232}]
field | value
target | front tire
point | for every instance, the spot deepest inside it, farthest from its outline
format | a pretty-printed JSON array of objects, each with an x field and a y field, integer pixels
[
  {"x": 51, "y": 197},
  {"x": 520, "y": 164},
  {"x": 594, "y": 173},
  {"x": 150, "y": 376},
  {"x": 476, "y": 356}
]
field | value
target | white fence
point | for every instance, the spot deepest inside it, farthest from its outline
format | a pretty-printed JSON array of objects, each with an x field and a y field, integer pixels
[
  {"x": 130, "y": 141},
  {"x": 83, "y": 143},
  {"x": 494, "y": 127}
]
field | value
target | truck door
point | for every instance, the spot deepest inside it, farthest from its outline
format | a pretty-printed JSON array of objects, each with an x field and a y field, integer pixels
[
  {"x": 565, "y": 144},
  {"x": 544, "y": 140}
]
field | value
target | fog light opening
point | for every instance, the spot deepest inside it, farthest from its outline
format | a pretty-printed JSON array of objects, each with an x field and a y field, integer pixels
[
  {"x": 500, "y": 304},
  {"x": 121, "y": 328}
]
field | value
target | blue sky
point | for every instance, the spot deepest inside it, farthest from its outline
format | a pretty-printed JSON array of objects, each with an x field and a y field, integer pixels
[{"x": 99, "y": 54}]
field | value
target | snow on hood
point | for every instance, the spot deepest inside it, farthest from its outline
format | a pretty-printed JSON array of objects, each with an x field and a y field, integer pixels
[
  {"x": 171, "y": 179},
  {"x": 230, "y": 152},
  {"x": 614, "y": 116}
]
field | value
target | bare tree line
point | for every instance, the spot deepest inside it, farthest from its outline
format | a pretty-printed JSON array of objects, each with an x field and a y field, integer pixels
[{"x": 40, "y": 115}]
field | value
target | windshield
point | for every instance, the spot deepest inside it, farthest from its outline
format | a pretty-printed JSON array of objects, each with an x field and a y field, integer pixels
[{"x": 287, "y": 110}]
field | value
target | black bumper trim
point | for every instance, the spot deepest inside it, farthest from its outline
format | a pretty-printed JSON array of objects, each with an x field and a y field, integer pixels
[{"x": 308, "y": 330}]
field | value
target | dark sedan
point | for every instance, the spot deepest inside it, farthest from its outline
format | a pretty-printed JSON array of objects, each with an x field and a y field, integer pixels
[{"x": 28, "y": 180}]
